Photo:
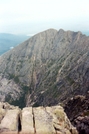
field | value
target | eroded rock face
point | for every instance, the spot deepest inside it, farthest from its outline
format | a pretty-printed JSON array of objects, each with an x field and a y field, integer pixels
[
  {"x": 77, "y": 110},
  {"x": 29, "y": 120}
]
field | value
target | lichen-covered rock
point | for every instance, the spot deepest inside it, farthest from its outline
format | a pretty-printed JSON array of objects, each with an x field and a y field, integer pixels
[
  {"x": 10, "y": 120},
  {"x": 43, "y": 121},
  {"x": 7, "y": 106},
  {"x": 34, "y": 120},
  {"x": 60, "y": 121}
]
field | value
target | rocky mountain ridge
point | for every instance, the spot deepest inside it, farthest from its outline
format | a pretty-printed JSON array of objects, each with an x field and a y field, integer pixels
[
  {"x": 47, "y": 69},
  {"x": 29, "y": 120}
]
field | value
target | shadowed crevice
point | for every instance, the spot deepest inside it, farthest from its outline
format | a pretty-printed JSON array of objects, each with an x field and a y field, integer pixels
[
  {"x": 19, "y": 124},
  {"x": 34, "y": 121}
]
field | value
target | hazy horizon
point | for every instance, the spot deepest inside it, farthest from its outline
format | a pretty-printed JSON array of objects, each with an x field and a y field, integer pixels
[
  {"x": 31, "y": 16},
  {"x": 29, "y": 35}
]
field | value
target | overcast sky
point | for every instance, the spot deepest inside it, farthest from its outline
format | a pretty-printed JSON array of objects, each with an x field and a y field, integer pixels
[{"x": 33, "y": 16}]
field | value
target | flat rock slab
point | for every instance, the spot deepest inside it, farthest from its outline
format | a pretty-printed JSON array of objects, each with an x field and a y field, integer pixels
[
  {"x": 10, "y": 120},
  {"x": 34, "y": 120},
  {"x": 43, "y": 121},
  {"x": 27, "y": 120}
]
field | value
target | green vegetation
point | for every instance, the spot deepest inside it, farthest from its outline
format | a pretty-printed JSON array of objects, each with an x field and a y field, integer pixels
[
  {"x": 50, "y": 63},
  {"x": 21, "y": 102},
  {"x": 15, "y": 78},
  {"x": 86, "y": 113},
  {"x": 25, "y": 88},
  {"x": 11, "y": 76},
  {"x": 71, "y": 81},
  {"x": 60, "y": 114},
  {"x": 36, "y": 105}
]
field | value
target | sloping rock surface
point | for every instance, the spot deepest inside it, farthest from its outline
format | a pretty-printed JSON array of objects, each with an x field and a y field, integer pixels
[
  {"x": 29, "y": 120},
  {"x": 77, "y": 109}
]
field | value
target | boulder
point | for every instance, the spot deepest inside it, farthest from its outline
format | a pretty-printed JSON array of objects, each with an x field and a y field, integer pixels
[
  {"x": 43, "y": 121},
  {"x": 2, "y": 113},
  {"x": 10, "y": 122},
  {"x": 34, "y": 120},
  {"x": 27, "y": 120},
  {"x": 60, "y": 121}
]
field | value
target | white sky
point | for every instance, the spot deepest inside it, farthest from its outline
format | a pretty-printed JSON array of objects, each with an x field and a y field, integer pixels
[{"x": 32, "y": 16}]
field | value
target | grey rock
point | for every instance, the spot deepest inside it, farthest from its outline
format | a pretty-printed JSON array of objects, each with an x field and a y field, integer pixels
[{"x": 38, "y": 120}]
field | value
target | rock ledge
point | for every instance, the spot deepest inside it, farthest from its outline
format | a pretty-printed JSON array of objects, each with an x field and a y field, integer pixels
[{"x": 37, "y": 120}]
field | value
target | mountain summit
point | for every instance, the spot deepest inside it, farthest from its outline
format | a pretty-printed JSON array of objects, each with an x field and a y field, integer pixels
[{"x": 47, "y": 69}]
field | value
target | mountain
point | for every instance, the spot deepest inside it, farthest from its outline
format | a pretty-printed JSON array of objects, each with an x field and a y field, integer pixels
[
  {"x": 8, "y": 41},
  {"x": 49, "y": 68}
]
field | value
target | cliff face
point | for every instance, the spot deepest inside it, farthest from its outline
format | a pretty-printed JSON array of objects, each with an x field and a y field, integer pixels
[
  {"x": 49, "y": 68},
  {"x": 29, "y": 120}
]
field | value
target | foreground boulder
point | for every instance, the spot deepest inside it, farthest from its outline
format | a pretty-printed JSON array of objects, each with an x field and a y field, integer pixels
[
  {"x": 38, "y": 120},
  {"x": 27, "y": 120},
  {"x": 9, "y": 118},
  {"x": 77, "y": 109}
]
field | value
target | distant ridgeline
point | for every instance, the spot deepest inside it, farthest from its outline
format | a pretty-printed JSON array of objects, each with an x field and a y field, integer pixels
[{"x": 9, "y": 41}]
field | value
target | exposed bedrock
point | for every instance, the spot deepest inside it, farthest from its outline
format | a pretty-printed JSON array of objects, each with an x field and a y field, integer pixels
[{"x": 37, "y": 120}]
